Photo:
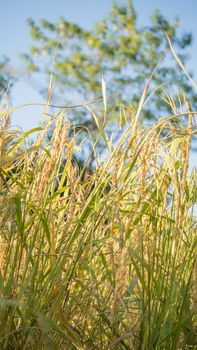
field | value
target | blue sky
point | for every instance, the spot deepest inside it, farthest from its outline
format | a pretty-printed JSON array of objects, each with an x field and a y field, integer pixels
[{"x": 15, "y": 38}]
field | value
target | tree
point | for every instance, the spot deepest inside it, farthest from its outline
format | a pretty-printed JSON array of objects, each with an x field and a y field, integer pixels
[
  {"x": 115, "y": 48},
  {"x": 4, "y": 75}
]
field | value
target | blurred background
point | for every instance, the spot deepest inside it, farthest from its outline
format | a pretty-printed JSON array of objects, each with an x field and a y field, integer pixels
[{"x": 15, "y": 39}]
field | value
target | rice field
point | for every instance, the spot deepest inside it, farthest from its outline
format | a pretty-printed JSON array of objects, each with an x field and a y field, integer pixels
[{"x": 101, "y": 259}]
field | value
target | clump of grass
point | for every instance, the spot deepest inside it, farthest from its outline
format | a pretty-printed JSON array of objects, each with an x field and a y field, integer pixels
[{"x": 102, "y": 259}]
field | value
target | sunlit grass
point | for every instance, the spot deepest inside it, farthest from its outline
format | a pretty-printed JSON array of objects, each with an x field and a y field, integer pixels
[{"x": 102, "y": 259}]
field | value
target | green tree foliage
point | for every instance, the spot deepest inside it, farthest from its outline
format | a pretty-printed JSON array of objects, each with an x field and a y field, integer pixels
[
  {"x": 4, "y": 75},
  {"x": 117, "y": 48}
]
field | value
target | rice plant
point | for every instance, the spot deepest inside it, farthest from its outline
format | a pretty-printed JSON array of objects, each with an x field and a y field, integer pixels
[{"x": 103, "y": 259}]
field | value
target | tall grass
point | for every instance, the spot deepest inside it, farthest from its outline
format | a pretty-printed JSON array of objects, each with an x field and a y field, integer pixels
[{"x": 102, "y": 259}]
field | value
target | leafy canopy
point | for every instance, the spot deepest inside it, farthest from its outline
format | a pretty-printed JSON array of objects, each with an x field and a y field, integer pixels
[
  {"x": 117, "y": 48},
  {"x": 4, "y": 75}
]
